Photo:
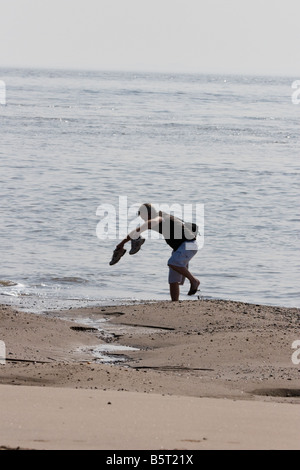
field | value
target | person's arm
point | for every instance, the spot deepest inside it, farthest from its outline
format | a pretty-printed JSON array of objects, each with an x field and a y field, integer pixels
[{"x": 142, "y": 228}]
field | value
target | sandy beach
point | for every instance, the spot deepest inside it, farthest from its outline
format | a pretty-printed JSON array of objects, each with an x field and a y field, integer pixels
[{"x": 188, "y": 375}]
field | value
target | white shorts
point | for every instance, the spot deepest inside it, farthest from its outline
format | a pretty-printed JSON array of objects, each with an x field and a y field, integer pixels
[{"x": 181, "y": 258}]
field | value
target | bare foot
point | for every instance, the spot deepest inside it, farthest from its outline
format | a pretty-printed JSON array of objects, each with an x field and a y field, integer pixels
[{"x": 194, "y": 287}]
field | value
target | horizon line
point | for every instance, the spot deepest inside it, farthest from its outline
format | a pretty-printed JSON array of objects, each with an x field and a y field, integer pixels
[{"x": 130, "y": 70}]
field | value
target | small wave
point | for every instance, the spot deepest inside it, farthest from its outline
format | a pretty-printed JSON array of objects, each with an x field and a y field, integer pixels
[
  {"x": 16, "y": 294},
  {"x": 6, "y": 283},
  {"x": 70, "y": 280}
]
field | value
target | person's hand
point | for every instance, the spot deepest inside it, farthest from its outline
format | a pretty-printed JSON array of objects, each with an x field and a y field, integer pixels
[{"x": 120, "y": 246}]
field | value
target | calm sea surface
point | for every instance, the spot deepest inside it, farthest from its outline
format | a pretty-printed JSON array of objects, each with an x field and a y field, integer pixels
[{"x": 72, "y": 141}]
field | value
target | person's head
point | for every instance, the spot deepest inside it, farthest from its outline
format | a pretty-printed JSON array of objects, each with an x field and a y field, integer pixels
[{"x": 147, "y": 212}]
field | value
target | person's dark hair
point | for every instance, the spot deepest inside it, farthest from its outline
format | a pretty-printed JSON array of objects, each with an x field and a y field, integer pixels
[{"x": 147, "y": 210}]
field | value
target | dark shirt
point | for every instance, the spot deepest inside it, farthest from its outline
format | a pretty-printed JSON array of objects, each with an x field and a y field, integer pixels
[{"x": 174, "y": 231}]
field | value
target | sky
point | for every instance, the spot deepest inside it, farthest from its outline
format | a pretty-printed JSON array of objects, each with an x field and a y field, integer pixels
[{"x": 201, "y": 36}]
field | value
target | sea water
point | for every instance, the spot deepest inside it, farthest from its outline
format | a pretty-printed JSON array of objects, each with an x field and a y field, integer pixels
[{"x": 73, "y": 140}]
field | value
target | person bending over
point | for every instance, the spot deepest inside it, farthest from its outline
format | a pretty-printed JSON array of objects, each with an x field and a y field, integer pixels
[{"x": 178, "y": 236}]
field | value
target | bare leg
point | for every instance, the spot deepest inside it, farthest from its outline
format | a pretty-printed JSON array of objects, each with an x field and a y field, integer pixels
[
  {"x": 174, "y": 291},
  {"x": 186, "y": 273}
]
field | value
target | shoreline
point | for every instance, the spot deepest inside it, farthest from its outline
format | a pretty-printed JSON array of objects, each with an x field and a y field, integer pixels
[
  {"x": 65, "y": 304},
  {"x": 206, "y": 349}
]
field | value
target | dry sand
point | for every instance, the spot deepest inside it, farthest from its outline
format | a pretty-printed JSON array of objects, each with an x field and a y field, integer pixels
[{"x": 209, "y": 375}]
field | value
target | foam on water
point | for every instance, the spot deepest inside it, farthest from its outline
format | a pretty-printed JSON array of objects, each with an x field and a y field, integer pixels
[{"x": 108, "y": 353}]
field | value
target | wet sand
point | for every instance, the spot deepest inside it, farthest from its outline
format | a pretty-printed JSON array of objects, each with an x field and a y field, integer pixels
[{"x": 221, "y": 359}]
